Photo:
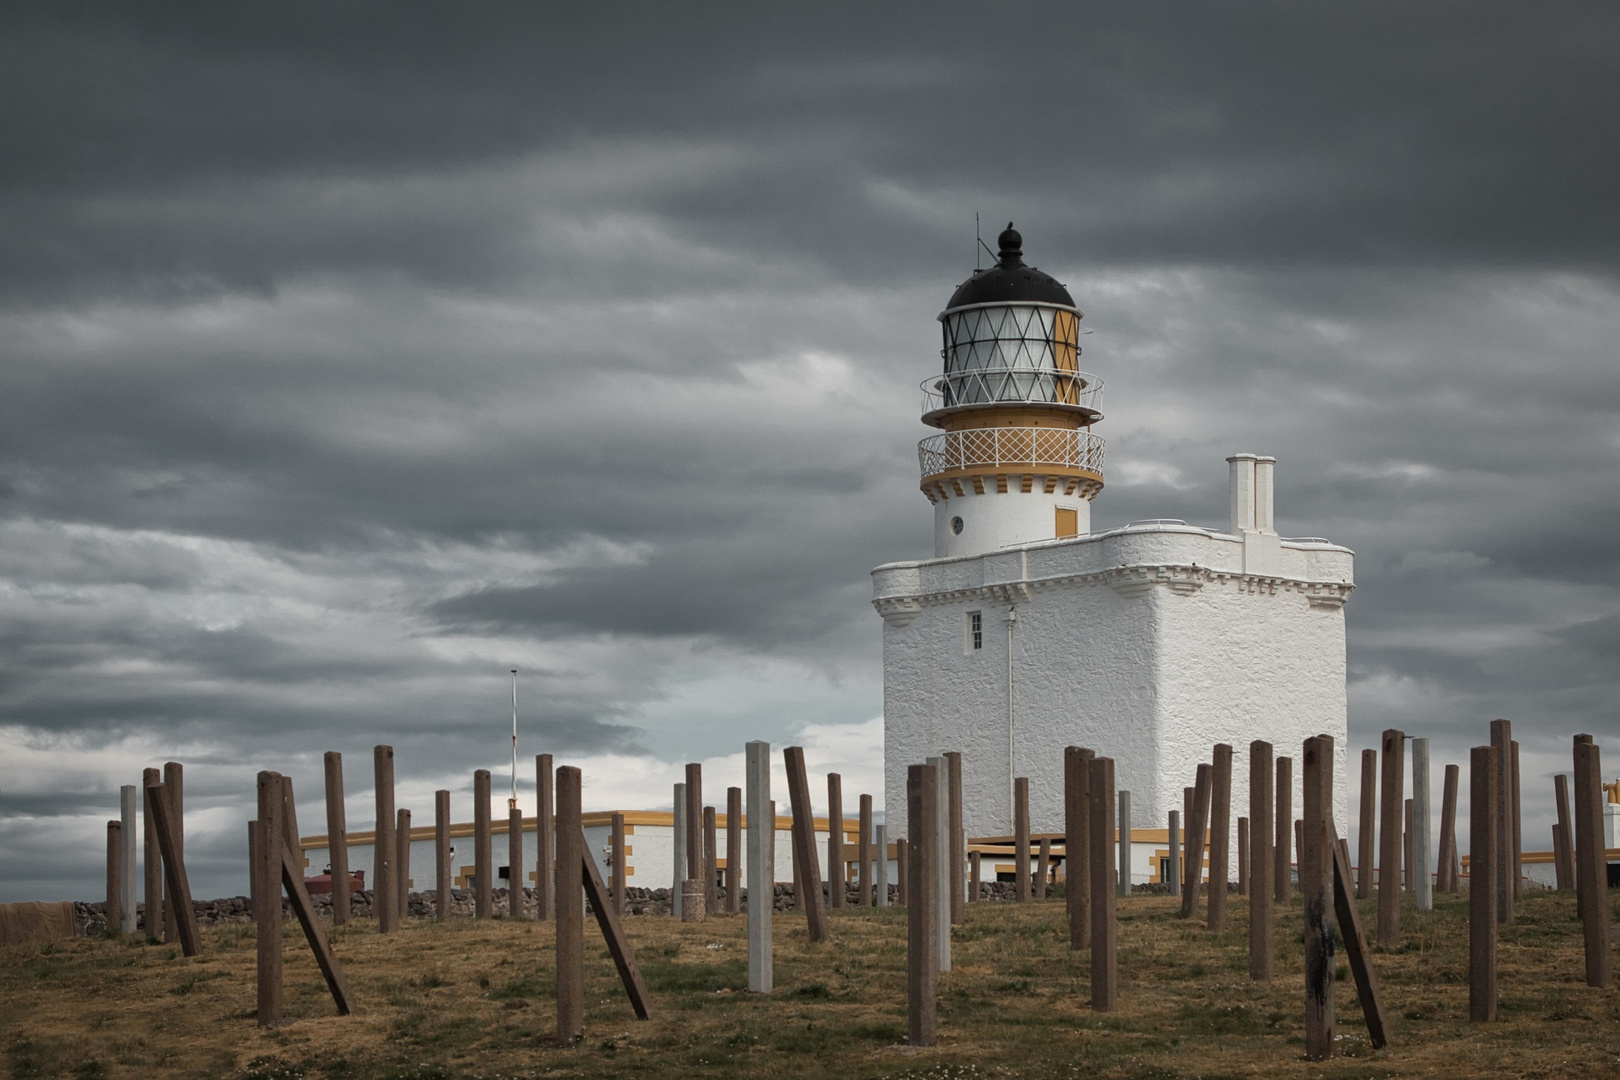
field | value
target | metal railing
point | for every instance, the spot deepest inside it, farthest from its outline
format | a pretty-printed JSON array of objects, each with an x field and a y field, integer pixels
[
  {"x": 1062, "y": 447},
  {"x": 984, "y": 386}
]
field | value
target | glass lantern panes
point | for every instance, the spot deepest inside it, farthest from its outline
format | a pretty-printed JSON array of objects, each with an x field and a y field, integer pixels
[{"x": 1012, "y": 352}]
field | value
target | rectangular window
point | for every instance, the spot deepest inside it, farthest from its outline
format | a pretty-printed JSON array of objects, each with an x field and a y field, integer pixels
[
  {"x": 975, "y": 631},
  {"x": 1068, "y": 521}
]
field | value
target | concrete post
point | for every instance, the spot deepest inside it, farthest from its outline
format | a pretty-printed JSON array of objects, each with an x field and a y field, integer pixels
[
  {"x": 1447, "y": 866},
  {"x": 761, "y": 826},
  {"x": 443, "y": 872},
  {"x": 382, "y": 841},
  {"x": 681, "y": 836},
  {"x": 1104, "y": 942},
  {"x": 941, "y": 859},
  {"x": 545, "y": 837},
  {"x": 1043, "y": 867},
  {"x": 734, "y": 849},
  {"x": 1563, "y": 835},
  {"x": 152, "y": 919},
  {"x": 1197, "y": 832},
  {"x": 863, "y": 895},
  {"x": 402, "y": 860},
  {"x": 711, "y": 862},
  {"x": 958, "y": 839},
  {"x": 694, "y": 822},
  {"x": 1422, "y": 851},
  {"x": 1123, "y": 880},
  {"x": 1389, "y": 838},
  {"x": 836, "y": 878},
  {"x": 617, "y": 876},
  {"x": 1592, "y": 861},
  {"x": 1483, "y": 820},
  {"x": 1367, "y": 834},
  {"x": 1408, "y": 852},
  {"x": 1172, "y": 864},
  {"x": 1021, "y": 836},
  {"x": 114, "y": 910},
  {"x": 1077, "y": 844},
  {"x": 127, "y": 824},
  {"x": 174, "y": 782},
  {"x": 570, "y": 911},
  {"x": 1261, "y": 864},
  {"x": 693, "y": 902},
  {"x": 337, "y": 838},
  {"x": 1502, "y": 739},
  {"x": 922, "y": 912},
  {"x": 483, "y": 849},
  {"x": 881, "y": 870},
  {"x": 1316, "y": 885},
  {"x": 1283, "y": 842},
  {"x": 1243, "y": 856},
  {"x": 514, "y": 863},
  {"x": 1220, "y": 834}
]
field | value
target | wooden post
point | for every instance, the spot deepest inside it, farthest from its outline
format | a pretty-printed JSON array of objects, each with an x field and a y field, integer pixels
[
  {"x": 402, "y": 862},
  {"x": 514, "y": 863},
  {"x": 617, "y": 869},
  {"x": 1021, "y": 837},
  {"x": 1197, "y": 833},
  {"x": 1355, "y": 947},
  {"x": 957, "y": 847},
  {"x": 267, "y": 887},
  {"x": 1122, "y": 879},
  {"x": 607, "y": 919},
  {"x": 1043, "y": 866},
  {"x": 1261, "y": 865},
  {"x": 483, "y": 848},
  {"x": 292, "y": 879},
  {"x": 1447, "y": 864},
  {"x": 1484, "y": 818},
  {"x": 1502, "y": 739},
  {"x": 734, "y": 849},
  {"x": 975, "y": 874},
  {"x": 1104, "y": 942},
  {"x": 115, "y": 876},
  {"x": 836, "y": 879},
  {"x": 570, "y": 913},
  {"x": 922, "y": 910},
  {"x": 337, "y": 838},
  {"x": 1408, "y": 849},
  {"x": 152, "y": 920},
  {"x": 711, "y": 863},
  {"x": 1563, "y": 835},
  {"x": 1243, "y": 856},
  {"x": 1422, "y": 849},
  {"x": 1516, "y": 867},
  {"x": 174, "y": 789},
  {"x": 1283, "y": 842},
  {"x": 1389, "y": 838},
  {"x": 1172, "y": 862},
  {"x": 806, "y": 866},
  {"x": 127, "y": 802},
  {"x": 1316, "y": 885},
  {"x": 545, "y": 834},
  {"x": 864, "y": 895},
  {"x": 382, "y": 844},
  {"x": 443, "y": 875},
  {"x": 901, "y": 857},
  {"x": 1076, "y": 844},
  {"x": 694, "y": 821},
  {"x": 1368, "y": 832},
  {"x": 1220, "y": 834},
  {"x": 1592, "y": 861},
  {"x": 942, "y": 883}
]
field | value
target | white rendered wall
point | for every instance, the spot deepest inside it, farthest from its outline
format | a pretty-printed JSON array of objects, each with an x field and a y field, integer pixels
[{"x": 996, "y": 520}]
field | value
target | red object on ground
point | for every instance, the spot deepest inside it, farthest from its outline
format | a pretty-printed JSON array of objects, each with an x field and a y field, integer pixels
[{"x": 323, "y": 883}]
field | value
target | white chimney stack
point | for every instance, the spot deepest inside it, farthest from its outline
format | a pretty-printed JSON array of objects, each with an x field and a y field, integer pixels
[{"x": 1243, "y": 478}]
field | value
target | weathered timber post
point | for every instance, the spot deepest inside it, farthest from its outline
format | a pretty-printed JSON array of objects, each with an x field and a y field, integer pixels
[
  {"x": 126, "y": 888},
  {"x": 1592, "y": 862},
  {"x": 1284, "y": 825},
  {"x": 1021, "y": 837},
  {"x": 957, "y": 848},
  {"x": 1261, "y": 865},
  {"x": 863, "y": 852},
  {"x": 382, "y": 842},
  {"x": 805, "y": 864},
  {"x": 880, "y": 875},
  {"x": 1484, "y": 818},
  {"x": 1516, "y": 871},
  {"x": 483, "y": 848},
  {"x": 761, "y": 825},
  {"x": 1408, "y": 850},
  {"x": 1043, "y": 866},
  {"x": 570, "y": 910},
  {"x": 901, "y": 874},
  {"x": 1104, "y": 942},
  {"x": 1122, "y": 882},
  {"x": 1076, "y": 844},
  {"x": 1422, "y": 850},
  {"x": 1366, "y": 835},
  {"x": 1220, "y": 834},
  {"x": 402, "y": 860},
  {"x": 975, "y": 873},
  {"x": 1563, "y": 835},
  {"x": 694, "y": 822},
  {"x": 267, "y": 887},
  {"x": 941, "y": 861},
  {"x": 443, "y": 875},
  {"x": 1502, "y": 739},
  {"x": 1197, "y": 833},
  {"x": 1447, "y": 867},
  {"x": 115, "y": 876},
  {"x": 679, "y": 835},
  {"x": 836, "y": 879},
  {"x": 1243, "y": 856},
  {"x": 922, "y": 911},
  {"x": 1316, "y": 885},
  {"x": 545, "y": 837},
  {"x": 1389, "y": 838},
  {"x": 514, "y": 863},
  {"x": 617, "y": 877},
  {"x": 152, "y": 918},
  {"x": 734, "y": 850},
  {"x": 1172, "y": 862},
  {"x": 711, "y": 862},
  {"x": 174, "y": 787},
  {"x": 337, "y": 838}
]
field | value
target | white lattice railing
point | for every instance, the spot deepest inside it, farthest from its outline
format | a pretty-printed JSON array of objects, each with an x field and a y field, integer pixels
[{"x": 1010, "y": 446}]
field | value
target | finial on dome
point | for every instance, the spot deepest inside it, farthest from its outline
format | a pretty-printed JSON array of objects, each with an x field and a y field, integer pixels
[{"x": 1012, "y": 246}]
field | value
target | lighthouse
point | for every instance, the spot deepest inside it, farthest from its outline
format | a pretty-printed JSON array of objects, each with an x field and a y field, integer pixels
[{"x": 1029, "y": 631}]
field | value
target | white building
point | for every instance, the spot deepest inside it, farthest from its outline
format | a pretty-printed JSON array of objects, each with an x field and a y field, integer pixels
[{"x": 1028, "y": 632}]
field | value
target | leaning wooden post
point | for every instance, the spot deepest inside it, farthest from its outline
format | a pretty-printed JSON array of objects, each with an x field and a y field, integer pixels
[
  {"x": 337, "y": 838},
  {"x": 1043, "y": 866},
  {"x": 402, "y": 861},
  {"x": 806, "y": 864},
  {"x": 267, "y": 886},
  {"x": 1076, "y": 844},
  {"x": 1447, "y": 864},
  {"x": 545, "y": 833},
  {"x": 957, "y": 846},
  {"x": 1220, "y": 834},
  {"x": 1563, "y": 835},
  {"x": 292, "y": 879},
  {"x": 115, "y": 876},
  {"x": 1122, "y": 880},
  {"x": 442, "y": 871},
  {"x": 1243, "y": 856},
  {"x": 1422, "y": 850},
  {"x": 618, "y": 874},
  {"x": 1104, "y": 942},
  {"x": 1592, "y": 865},
  {"x": 1021, "y": 836},
  {"x": 514, "y": 862},
  {"x": 734, "y": 848},
  {"x": 483, "y": 848},
  {"x": 1389, "y": 838},
  {"x": 1261, "y": 866},
  {"x": 711, "y": 863},
  {"x": 1368, "y": 832},
  {"x": 761, "y": 827},
  {"x": 836, "y": 879},
  {"x": 863, "y": 895},
  {"x": 174, "y": 789},
  {"x": 382, "y": 843},
  {"x": 1502, "y": 739},
  {"x": 1284, "y": 826},
  {"x": 922, "y": 910},
  {"x": 1172, "y": 862},
  {"x": 1483, "y": 821},
  {"x": 570, "y": 897},
  {"x": 1316, "y": 885},
  {"x": 1197, "y": 832},
  {"x": 152, "y": 919}
]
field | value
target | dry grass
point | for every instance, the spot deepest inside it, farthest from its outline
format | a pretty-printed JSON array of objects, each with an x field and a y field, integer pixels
[{"x": 475, "y": 1000}]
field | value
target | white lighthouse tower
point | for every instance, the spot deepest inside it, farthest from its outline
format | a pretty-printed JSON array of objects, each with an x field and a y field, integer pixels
[{"x": 1028, "y": 632}]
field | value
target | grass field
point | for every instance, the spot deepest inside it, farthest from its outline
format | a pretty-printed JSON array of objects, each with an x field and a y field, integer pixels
[{"x": 475, "y": 999}]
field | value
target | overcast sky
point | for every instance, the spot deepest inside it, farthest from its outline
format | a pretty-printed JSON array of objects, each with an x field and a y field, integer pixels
[{"x": 351, "y": 357}]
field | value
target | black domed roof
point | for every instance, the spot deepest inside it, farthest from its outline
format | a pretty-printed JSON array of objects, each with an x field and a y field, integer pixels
[{"x": 1010, "y": 281}]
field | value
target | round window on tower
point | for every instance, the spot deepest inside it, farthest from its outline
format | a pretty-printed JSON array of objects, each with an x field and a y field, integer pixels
[{"x": 956, "y": 526}]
